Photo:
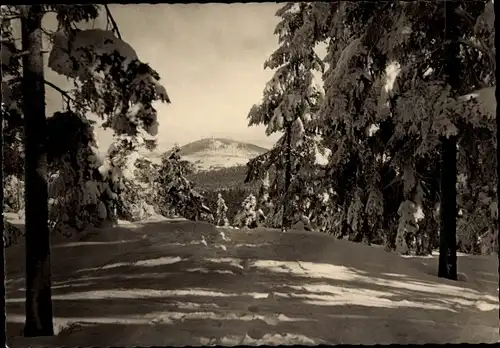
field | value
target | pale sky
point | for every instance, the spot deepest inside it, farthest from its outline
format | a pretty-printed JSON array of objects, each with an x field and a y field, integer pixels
[{"x": 210, "y": 58}]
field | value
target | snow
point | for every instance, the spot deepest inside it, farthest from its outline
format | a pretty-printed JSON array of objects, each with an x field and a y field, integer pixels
[
  {"x": 321, "y": 158},
  {"x": 373, "y": 129},
  {"x": 486, "y": 99},
  {"x": 428, "y": 72},
  {"x": 128, "y": 170},
  {"x": 100, "y": 41},
  {"x": 155, "y": 283},
  {"x": 391, "y": 72},
  {"x": 212, "y": 160},
  {"x": 220, "y": 155},
  {"x": 213, "y": 153}
]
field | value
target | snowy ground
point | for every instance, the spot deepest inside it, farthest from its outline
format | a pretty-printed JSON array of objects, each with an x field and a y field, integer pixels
[{"x": 184, "y": 283}]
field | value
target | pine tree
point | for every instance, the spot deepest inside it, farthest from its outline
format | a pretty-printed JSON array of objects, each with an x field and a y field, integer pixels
[
  {"x": 289, "y": 102},
  {"x": 410, "y": 118},
  {"x": 367, "y": 39},
  {"x": 78, "y": 194},
  {"x": 177, "y": 194},
  {"x": 350, "y": 85},
  {"x": 109, "y": 81},
  {"x": 132, "y": 177},
  {"x": 145, "y": 175},
  {"x": 264, "y": 204}
]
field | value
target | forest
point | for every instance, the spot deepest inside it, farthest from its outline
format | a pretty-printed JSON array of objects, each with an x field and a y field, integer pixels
[{"x": 396, "y": 146}]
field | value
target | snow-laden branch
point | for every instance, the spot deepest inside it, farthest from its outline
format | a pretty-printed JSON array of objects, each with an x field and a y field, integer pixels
[{"x": 99, "y": 59}]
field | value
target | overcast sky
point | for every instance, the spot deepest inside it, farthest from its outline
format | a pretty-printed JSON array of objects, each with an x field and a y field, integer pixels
[{"x": 210, "y": 58}]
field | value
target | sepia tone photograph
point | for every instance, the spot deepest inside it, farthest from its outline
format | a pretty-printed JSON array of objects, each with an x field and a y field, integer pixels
[{"x": 245, "y": 174}]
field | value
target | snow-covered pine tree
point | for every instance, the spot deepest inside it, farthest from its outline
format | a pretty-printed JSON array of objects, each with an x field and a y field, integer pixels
[
  {"x": 221, "y": 212},
  {"x": 428, "y": 76},
  {"x": 232, "y": 197},
  {"x": 477, "y": 201},
  {"x": 146, "y": 173},
  {"x": 177, "y": 196},
  {"x": 352, "y": 82},
  {"x": 404, "y": 124},
  {"x": 289, "y": 104},
  {"x": 78, "y": 194},
  {"x": 132, "y": 177},
  {"x": 110, "y": 81},
  {"x": 264, "y": 204}
]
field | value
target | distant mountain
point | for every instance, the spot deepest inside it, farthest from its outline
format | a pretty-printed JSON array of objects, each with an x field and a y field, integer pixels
[
  {"x": 216, "y": 153},
  {"x": 219, "y": 144}
]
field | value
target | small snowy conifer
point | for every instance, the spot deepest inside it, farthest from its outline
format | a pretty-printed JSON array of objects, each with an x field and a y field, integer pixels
[{"x": 289, "y": 103}]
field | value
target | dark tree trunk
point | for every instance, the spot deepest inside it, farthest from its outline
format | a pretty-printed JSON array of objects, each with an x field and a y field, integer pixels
[
  {"x": 288, "y": 178},
  {"x": 38, "y": 288},
  {"x": 448, "y": 210},
  {"x": 448, "y": 230}
]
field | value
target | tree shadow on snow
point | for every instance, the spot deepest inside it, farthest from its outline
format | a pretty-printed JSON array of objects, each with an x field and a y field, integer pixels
[{"x": 163, "y": 286}]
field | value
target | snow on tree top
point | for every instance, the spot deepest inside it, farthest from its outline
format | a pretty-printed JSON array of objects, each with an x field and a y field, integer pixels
[
  {"x": 124, "y": 88},
  {"x": 68, "y": 50}
]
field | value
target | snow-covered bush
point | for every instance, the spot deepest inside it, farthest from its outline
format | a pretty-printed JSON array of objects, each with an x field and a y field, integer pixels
[{"x": 248, "y": 216}]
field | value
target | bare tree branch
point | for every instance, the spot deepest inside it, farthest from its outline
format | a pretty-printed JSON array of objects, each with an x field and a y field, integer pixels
[
  {"x": 113, "y": 22},
  {"x": 63, "y": 93}
]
